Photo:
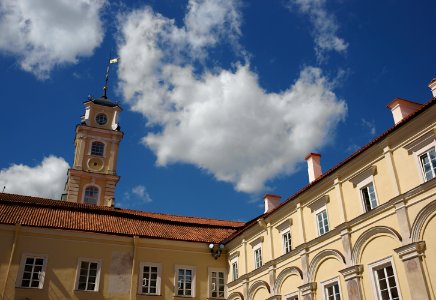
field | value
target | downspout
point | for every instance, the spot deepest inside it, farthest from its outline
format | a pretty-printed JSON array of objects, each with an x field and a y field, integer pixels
[
  {"x": 135, "y": 243},
  {"x": 17, "y": 231}
]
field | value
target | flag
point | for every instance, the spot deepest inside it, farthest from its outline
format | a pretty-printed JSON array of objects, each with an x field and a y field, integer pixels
[{"x": 114, "y": 60}]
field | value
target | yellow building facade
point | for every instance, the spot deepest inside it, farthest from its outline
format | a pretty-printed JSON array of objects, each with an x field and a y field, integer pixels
[{"x": 365, "y": 229}]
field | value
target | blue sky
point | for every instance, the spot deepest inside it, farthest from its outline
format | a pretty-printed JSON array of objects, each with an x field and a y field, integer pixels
[{"x": 222, "y": 99}]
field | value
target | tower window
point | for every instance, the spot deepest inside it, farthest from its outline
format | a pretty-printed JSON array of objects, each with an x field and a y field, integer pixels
[
  {"x": 101, "y": 119},
  {"x": 97, "y": 148},
  {"x": 91, "y": 195}
]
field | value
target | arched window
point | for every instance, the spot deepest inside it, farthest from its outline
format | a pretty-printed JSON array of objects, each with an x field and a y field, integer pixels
[
  {"x": 97, "y": 148},
  {"x": 91, "y": 195}
]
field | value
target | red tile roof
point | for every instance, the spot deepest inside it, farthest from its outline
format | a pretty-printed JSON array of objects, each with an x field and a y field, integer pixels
[{"x": 56, "y": 214}]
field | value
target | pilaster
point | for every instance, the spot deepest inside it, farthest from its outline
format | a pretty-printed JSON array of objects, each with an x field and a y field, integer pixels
[
  {"x": 308, "y": 290},
  {"x": 353, "y": 280},
  {"x": 412, "y": 255}
]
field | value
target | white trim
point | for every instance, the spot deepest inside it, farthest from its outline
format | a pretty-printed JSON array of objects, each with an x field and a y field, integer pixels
[
  {"x": 99, "y": 193},
  {"x": 97, "y": 279},
  {"x": 234, "y": 260},
  {"x": 293, "y": 294},
  {"x": 362, "y": 184},
  {"x": 418, "y": 147},
  {"x": 176, "y": 285},
  {"x": 330, "y": 282},
  {"x": 372, "y": 267},
  {"x": 20, "y": 273},
  {"x": 318, "y": 211},
  {"x": 255, "y": 248},
  {"x": 283, "y": 233},
  {"x": 209, "y": 285},
  {"x": 158, "y": 279},
  {"x": 417, "y": 155}
]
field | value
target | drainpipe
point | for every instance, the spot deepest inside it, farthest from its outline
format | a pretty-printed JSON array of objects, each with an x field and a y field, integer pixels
[{"x": 17, "y": 231}]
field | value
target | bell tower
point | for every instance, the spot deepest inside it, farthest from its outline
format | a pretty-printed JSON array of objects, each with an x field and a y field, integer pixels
[{"x": 93, "y": 177}]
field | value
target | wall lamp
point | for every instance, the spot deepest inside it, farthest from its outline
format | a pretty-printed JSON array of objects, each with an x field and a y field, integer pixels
[{"x": 216, "y": 249}]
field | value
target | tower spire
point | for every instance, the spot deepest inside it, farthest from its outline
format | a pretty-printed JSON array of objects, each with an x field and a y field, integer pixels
[{"x": 110, "y": 61}]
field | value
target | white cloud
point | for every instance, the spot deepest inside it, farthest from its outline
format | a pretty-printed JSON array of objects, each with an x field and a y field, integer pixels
[
  {"x": 221, "y": 121},
  {"x": 140, "y": 192},
  {"x": 45, "y": 33},
  {"x": 44, "y": 180},
  {"x": 370, "y": 126},
  {"x": 324, "y": 26}
]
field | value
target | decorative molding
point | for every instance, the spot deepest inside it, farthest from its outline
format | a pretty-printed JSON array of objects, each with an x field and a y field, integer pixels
[
  {"x": 262, "y": 223},
  {"x": 235, "y": 295},
  {"x": 365, "y": 237},
  {"x": 256, "y": 241},
  {"x": 320, "y": 257},
  {"x": 285, "y": 274},
  {"x": 421, "y": 142},
  {"x": 421, "y": 220},
  {"x": 284, "y": 225},
  {"x": 234, "y": 255},
  {"x": 352, "y": 272},
  {"x": 410, "y": 251},
  {"x": 255, "y": 286},
  {"x": 318, "y": 202},
  {"x": 307, "y": 289},
  {"x": 362, "y": 175}
]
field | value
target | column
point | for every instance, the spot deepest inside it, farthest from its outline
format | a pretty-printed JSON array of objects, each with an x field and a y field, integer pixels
[
  {"x": 403, "y": 221},
  {"x": 308, "y": 290},
  {"x": 272, "y": 280},
  {"x": 411, "y": 255},
  {"x": 340, "y": 197},
  {"x": 391, "y": 169},
  {"x": 353, "y": 278}
]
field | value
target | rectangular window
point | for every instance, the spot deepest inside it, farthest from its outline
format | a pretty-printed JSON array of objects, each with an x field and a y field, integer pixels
[
  {"x": 258, "y": 257},
  {"x": 332, "y": 292},
  {"x": 428, "y": 164},
  {"x": 322, "y": 221},
  {"x": 150, "y": 279},
  {"x": 185, "y": 281},
  {"x": 216, "y": 284},
  {"x": 286, "y": 237},
  {"x": 33, "y": 271},
  {"x": 292, "y": 296},
  {"x": 386, "y": 283},
  {"x": 235, "y": 270},
  {"x": 368, "y": 197},
  {"x": 88, "y": 275}
]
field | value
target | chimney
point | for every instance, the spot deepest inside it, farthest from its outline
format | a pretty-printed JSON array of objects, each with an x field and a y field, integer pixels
[
  {"x": 432, "y": 86},
  {"x": 313, "y": 166},
  {"x": 271, "y": 202},
  {"x": 401, "y": 108}
]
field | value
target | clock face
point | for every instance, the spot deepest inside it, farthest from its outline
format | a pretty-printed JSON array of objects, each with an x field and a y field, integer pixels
[
  {"x": 95, "y": 164},
  {"x": 101, "y": 119}
]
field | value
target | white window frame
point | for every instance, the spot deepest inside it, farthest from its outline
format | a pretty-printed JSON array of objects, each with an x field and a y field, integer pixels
[
  {"x": 99, "y": 193},
  {"x": 41, "y": 275},
  {"x": 316, "y": 213},
  {"x": 176, "y": 281},
  {"x": 257, "y": 249},
  {"x": 97, "y": 278},
  {"x": 418, "y": 147},
  {"x": 234, "y": 261},
  {"x": 372, "y": 267},
  {"x": 285, "y": 233},
  {"x": 158, "y": 279},
  {"x": 418, "y": 159},
  {"x": 292, "y": 296},
  {"x": 211, "y": 286},
  {"x": 328, "y": 283},
  {"x": 363, "y": 184}
]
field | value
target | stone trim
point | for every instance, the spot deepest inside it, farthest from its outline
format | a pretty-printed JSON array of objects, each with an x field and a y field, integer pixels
[
  {"x": 410, "y": 251},
  {"x": 308, "y": 288},
  {"x": 352, "y": 272}
]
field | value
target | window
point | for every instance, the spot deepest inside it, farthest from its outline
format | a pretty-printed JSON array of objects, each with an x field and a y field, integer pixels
[
  {"x": 32, "y": 271},
  {"x": 286, "y": 237},
  {"x": 386, "y": 283},
  {"x": 88, "y": 275},
  {"x": 235, "y": 270},
  {"x": 368, "y": 196},
  {"x": 428, "y": 164},
  {"x": 91, "y": 195},
  {"x": 150, "y": 279},
  {"x": 216, "y": 283},
  {"x": 97, "y": 148},
  {"x": 185, "y": 281},
  {"x": 322, "y": 221},
  {"x": 332, "y": 291},
  {"x": 292, "y": 296},
  {"x": 257, "y": 257}
]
